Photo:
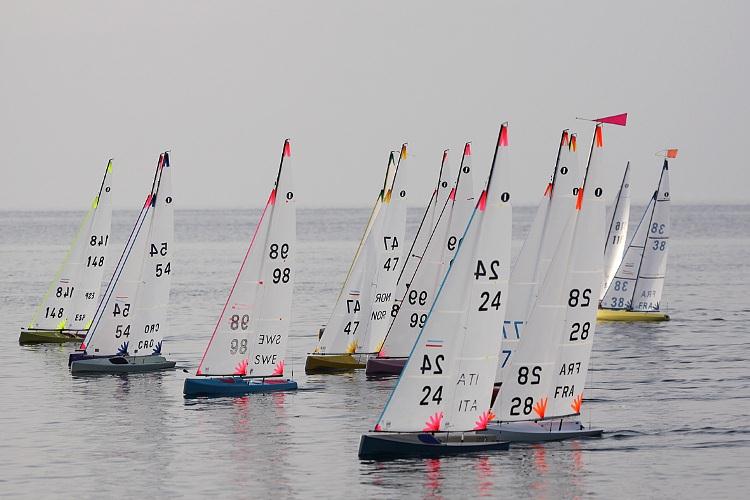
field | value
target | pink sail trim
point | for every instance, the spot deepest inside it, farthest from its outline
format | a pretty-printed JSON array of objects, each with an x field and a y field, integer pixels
[
  {"x": 452, "y": 196},
  {"x": 503, "y": 141},
  {"x": 148, "y": 200},
  {"x": 445, "y": 156},
  {"x": 82, "y": 347},
  {"x": 467, "y": 149},
  {"x": 484, "y": 419},
  {"x": 482, "y": 201},
  {"x": 287, "y": 149},
  {"x": 378, "y": 428},
  {"x": 620, "y": 119},
  {"x": 241, "y": 368},
  {"x": 279, "y": 370},
  {"x": 433, "y": 424}
]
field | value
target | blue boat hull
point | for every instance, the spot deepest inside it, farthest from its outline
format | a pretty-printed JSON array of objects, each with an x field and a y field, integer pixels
[
  {"x": 386, "y": 446},
  {"x": 234, "y": 386}
]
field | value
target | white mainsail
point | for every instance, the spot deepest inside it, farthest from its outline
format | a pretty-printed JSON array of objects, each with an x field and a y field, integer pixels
[
  {"x": 433, "y": 265},
  {"x": 71, "y": 299},
  {"x": 446, "y": 384},
  {"x": 113, "y": 321},
  {"x": 251, "y": 335},
  {"x": 614, "y": 247},
  {"x": 639, "y": 280},
  {"x": 540, "y": 246},
  {"x": 551, "y": 360}
]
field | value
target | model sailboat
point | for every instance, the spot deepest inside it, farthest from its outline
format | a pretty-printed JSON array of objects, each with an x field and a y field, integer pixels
[
  {"x": 441, "y": 402},
  {"x": 614, "y": 246},
  {"x": 131, "y": 320},
  {"x": 361, "y": 314},
  {"x": 636, "y": 289},
  {"x": 543, "y": 385},
  {"x": 67, "y": 308},
  {"x": 247, "y": 350},
  {"x": 539, "y": 248},
  {"x": 425, "y": 280}
]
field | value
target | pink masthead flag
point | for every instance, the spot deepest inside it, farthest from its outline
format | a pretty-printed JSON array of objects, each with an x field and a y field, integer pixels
[{"x": 614, "y": 119}]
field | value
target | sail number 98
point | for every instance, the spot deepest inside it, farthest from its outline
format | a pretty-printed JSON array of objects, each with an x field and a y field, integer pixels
[{"x": 235, "y": 321}]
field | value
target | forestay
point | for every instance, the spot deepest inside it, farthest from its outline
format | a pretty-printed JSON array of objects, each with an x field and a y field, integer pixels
[
  {"x": 251, "y": 335},
  {"x": 433, "y": 265},
  {"x": 70, "y": 300},
  {"x": 639, "y": 280},
  {"x": 614, "y": 247},
  {"x": 447, "y": 382},
  {"x": 551, "y": 360},
  {"x": 341, "y": 332},
  {"x": 537, "y": 252},
  {"x": 113, "y": 327}
]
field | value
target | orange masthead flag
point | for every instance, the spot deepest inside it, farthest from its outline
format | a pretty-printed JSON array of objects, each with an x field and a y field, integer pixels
[{"x": 668, "y": 153}]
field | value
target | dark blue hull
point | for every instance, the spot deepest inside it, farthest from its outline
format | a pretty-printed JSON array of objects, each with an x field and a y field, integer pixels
[
  {"x": 385, "y": 446},
  {"x": 234, "y": 386}
]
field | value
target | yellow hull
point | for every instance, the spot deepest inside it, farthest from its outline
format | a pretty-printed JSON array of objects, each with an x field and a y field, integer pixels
[
  {"x": 327, "y": 363},
  {"x": 621, "y": 315}
]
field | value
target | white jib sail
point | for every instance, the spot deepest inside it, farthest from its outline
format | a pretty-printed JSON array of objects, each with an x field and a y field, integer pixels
[
  {"x": 446, "y": 384},
  {"x": 539, "y": 248},
  {"x": 433, "y": 265},
  {"x": 251, "y": 335},
  {"x": 343, "y": 326},
  {"x": 388, "y": 242},
  {"x": 551, "y": 360},
  {"x": 70, "y": 300},
  {"x": 426, "y": 226},
  {"x": 650, "y": 284},
  {"x": 112, "y": 327},
  {"x": 614, "y": 247}
]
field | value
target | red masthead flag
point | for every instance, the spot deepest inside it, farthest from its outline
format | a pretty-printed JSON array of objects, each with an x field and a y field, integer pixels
[{"x": 614, "y": 119}]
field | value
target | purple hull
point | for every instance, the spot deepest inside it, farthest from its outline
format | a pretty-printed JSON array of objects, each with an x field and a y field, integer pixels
[{"x": 385, "y": 366}]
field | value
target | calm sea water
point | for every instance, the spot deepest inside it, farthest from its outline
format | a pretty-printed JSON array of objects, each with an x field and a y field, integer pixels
[{"x": 673, "y": 397}]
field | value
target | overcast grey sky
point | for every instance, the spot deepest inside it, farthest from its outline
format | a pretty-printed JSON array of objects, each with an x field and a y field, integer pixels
[{"x": 222, "y": 84}]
